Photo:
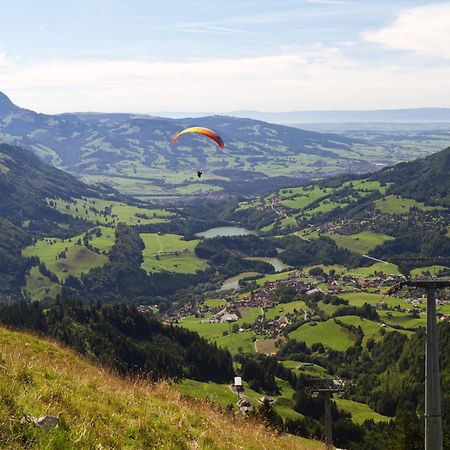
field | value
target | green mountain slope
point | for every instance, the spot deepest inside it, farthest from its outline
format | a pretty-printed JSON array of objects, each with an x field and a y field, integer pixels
[
  {"x": 97, "y": 409},
  {"x": 127, "y": 149},
  {"x": 26, "y": 183},
  {"x": 426, "y": 179}
]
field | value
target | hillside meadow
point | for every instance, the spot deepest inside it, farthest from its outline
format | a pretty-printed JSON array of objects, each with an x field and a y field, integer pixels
[{"x": 97, "y": 409}]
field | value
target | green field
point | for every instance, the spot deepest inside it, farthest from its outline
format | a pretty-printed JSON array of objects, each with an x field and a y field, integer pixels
[
  {"x": 360, "y": 412},
  {"x": 273, "y": 277},
  {"x": 215, "y": 302},
  {"x": 433, "y": 270},
  {"x": 300, "y": 198},
  {"x": 328, "y": 333},
  {"x": 386, "y": 268},
  {"x": 370, "y": 329},
  {"x": 196, "y": 188},
  {"x": 170, "y": 252},
  {"x": 362, "y": 242},
  {"x": 285, "y": 308},
  {"x": 109, "y": 212},
  {"x": 38, "y": 286},
  {"x": 78, "y": 259},
  {"x": 393, "y": 204},
  {"x": 105, "y": 241},
  {"x": 221, "y": 394},
  {"x": 325, "y": 206},
  {"x": 402, "y": 319},
  {"x": 234, "y": 342},
  {"x": 315, "y": 370},
  {"x": 328, "y": 308},
  {"x": 359, "y": 298},
  {"x": 364, "y": 187},
  {"x": 237, "y": 342}
]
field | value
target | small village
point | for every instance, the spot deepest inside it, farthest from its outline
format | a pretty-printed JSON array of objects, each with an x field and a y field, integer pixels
[{"x": 304, "y": 285}]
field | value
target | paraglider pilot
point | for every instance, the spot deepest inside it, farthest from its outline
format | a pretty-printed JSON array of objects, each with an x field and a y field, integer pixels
[{"x": 199, "y": 173}]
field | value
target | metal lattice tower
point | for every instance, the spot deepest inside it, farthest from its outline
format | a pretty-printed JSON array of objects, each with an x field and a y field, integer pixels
[
  {"x": 328, "y": 394},
  {"x": 433, "y": 414}
]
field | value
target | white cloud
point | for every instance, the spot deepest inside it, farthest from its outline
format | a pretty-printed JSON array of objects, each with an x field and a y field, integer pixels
[
  {"x": 315, "y": 78},
  {"x": 424, "y": 30}
]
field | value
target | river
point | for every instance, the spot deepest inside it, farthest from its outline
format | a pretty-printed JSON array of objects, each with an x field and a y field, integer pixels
[
  {"x": 277, "y": 264},
  {"x": 233, "y": 282}
]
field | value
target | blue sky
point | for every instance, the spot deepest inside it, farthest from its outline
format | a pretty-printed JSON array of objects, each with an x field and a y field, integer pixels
[{"x": 270, "y": 55}]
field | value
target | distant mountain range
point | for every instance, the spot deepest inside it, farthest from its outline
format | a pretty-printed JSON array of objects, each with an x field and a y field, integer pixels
[
  {"x": 137, "y": 147},
  {"x": 402, "y": 115},
  {"x": 135, "y": 154}
]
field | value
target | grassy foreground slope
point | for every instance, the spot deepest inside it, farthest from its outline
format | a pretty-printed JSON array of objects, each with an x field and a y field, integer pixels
[{"x": 100, "y": 410}]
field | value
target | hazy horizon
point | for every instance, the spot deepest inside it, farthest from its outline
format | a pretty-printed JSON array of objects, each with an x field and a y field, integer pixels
[{"x": 208, "y": 56}]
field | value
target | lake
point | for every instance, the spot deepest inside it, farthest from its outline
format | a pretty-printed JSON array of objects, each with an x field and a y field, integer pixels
[
  {"x": 225, "y": 231},
  {"x": 233, "y": 282},
  {"x": 277, "y": 264}
]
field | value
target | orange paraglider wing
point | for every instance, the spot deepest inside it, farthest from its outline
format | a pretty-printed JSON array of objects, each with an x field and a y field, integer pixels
[{"x": 200, "y": 130}]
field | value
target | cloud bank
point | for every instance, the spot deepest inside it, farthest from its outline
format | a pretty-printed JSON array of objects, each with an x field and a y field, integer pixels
[{"x": 424, "y": 30}]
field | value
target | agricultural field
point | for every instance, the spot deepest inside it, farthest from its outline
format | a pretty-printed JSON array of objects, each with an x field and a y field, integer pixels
[
  {"x": 328, "y": 333},
  {"x": 359, "y": 298},
  {"x": 234, "y": 342},
  {"x": 107, "y": 212},
  {"x": 65, "y": 257},
  {"x": 309, "y": 368},
  {"x": 38, "y": 286},
  {"x": 361, "y": 243},
  {"x": 285, "y": 308},
  {"x": 365, "y": 187},
  {"x": 220, "y": 394},
  {"x": 302, "y": 197},
  {"x": 394, "y": 204},
  {"x": 397, "y": 318},
  {"x": 432, "y": 270},
  {"x": 360, "y": 411},
  {"x": 379, "y": 267},
  {"x": 170, "y": 252},
  {"x": 371, "y": 330},
  {"x": 325, "y": 206},
  {"x": 266, "y": 346},
  {"x": 105, "y": 241},
  {"x": 273, "y": 277},
  {"x": 215, "y": 302},
  {"x": 196, "y": 188}
]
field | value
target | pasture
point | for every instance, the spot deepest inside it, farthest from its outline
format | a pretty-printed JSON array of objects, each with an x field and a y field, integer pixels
[
  {"x": 394, "y": 204},
  {"x": 170, "y": 252},
  {"x": 107, "y": 212},
  {"x": 361, "y": 243},
  {"x": 65, "y": 257},
  {"x": 38, "y": 286},
  {"x": 360, "y": 411},
  {"x": 302, "y": 197},
  {"x": 328, "y": 333},
  {"x": 379, "y": 267}
]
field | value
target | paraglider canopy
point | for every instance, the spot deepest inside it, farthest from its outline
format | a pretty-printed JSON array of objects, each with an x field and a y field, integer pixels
[{"x": 200, "y": 130}]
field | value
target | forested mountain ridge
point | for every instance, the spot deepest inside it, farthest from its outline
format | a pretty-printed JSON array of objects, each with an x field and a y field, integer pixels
[
  {"x": 26, "y": 182},
  {"x": 425, "y": 179}
]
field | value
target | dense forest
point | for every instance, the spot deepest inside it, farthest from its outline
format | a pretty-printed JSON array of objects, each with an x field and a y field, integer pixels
[{"x": 123, "y": 339}]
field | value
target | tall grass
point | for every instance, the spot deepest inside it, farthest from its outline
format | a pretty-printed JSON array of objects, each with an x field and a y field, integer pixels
[{"x": 99, "y": 410}]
